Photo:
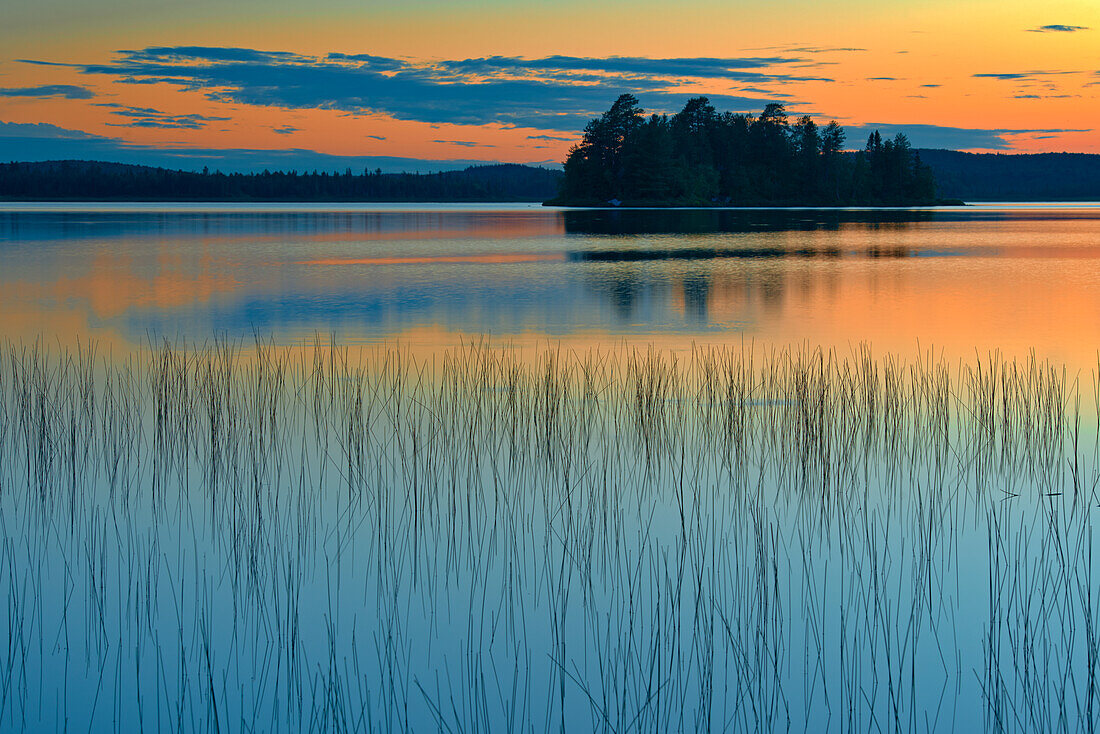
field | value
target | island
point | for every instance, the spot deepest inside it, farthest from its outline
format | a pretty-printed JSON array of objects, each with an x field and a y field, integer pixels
[{"x": 700, "y": 157}]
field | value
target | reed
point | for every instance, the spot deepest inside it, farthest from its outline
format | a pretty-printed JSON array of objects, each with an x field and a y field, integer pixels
[{"x": 248, "y": 537}]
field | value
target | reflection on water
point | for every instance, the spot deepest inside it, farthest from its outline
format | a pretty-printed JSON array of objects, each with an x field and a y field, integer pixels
[
  {"x": 956, "y": 278},
  {"x": 295, "y": 541},
  {"x": 709, "y": 221},
  {"x": 310, "y": 539}
]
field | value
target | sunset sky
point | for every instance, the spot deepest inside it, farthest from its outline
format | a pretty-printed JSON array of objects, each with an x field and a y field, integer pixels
[{"x": 334, "y": 83}]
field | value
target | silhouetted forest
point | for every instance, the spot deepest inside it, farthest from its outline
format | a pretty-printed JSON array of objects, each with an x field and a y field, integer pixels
[
  {"x": 831, "y": 177},
  {"x": 89, "y": 180},
  {"x": 700, "y": 157},
  {"x": 1016, "y": 176}
]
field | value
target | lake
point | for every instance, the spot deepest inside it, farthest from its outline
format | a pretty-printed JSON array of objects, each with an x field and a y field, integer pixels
[
  {"x": 1013, "y": 277},
  {"x": 493, "y": 468}
]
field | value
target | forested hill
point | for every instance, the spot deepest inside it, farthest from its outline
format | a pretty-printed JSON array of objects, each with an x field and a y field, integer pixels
[
  {"x": 703, "y": 157},
  {"x": 1015, "y": 177},
  {"x": 94, "y": 181}
]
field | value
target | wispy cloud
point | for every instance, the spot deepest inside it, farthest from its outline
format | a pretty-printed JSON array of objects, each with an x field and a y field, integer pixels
[
  {"x": 553, "y": 92},
  {"x": 465, "y": 143},
  {"x": 1058, "y": 28},
  {"x": 1023, "y": 75},
  {"x": 807, "y": 49},
  {"x": 769, "y": 93},
  {"x": 67, "y": 91},
  {"x": 44, "y": 131},
  {"x": 705, "y": 68},
  {"x": 149, "y": 117}
]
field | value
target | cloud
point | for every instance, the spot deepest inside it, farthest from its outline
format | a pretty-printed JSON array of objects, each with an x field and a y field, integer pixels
[
  {"x": 45, "y": 142},
  {"x": 465, "y": 143},
  {"x": 67, "y": 91},
  {"x": 773, "y": 95},
  {"x": 811, "y": 49},
  {"x": 550, "y": 93},
  {"x": 1058, "y": 29},
  {"x": 207, "y": 53},
  {"x": 284, "y": 130},
  {"x": 559, "y": 138},
  {"x": 706, "y": 68},
  {"x": 952, "y": 138},
  {"x": 153, "y": 118},
  {"x": 1023, "y": 75},
  {"x": 375, "y": 137},
  {"x": 376, "y": 62},
  {"x": 43, "y": 131}
]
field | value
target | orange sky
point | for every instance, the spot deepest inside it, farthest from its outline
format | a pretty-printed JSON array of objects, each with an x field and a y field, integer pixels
[{"x": 890, "y": 63}]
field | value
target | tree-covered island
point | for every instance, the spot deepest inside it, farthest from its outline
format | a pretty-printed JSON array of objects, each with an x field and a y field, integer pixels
[{"x": 700, "y": 157}]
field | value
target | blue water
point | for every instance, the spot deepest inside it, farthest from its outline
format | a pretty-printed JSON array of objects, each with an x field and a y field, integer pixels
[{"x": 767, "y": 470}]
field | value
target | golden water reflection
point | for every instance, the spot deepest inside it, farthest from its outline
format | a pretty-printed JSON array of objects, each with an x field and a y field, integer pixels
[{"x": 1014, "y": 279}]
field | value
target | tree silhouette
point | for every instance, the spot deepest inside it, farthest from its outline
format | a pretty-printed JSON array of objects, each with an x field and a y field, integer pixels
[{"x": 702, "y": 157}]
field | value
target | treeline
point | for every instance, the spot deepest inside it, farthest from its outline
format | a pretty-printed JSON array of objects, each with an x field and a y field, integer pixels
[
  {"x": 89, "y": 180},
  {"x": 700, "y": 157},
  {"x": 1016, "y": 176}
]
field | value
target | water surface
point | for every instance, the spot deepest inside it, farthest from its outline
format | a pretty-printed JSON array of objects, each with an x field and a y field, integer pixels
[
  {"x": 1013, "y": 277},
  {"x": 235, "y": 538}
]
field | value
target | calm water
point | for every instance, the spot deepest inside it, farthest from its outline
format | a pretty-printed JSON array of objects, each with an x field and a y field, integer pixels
[
  {"x": 264, "y": 539},
  {"x": 1009, "y": 277}
]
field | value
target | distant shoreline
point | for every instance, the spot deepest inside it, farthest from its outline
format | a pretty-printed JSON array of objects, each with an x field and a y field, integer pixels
[
  {"x": 161, "y": 200},
  {"x": 727, "y": 205},
  {"x": 77, "y": 181},
  {"x": 536, "y": 202},
  {"x": 969, "y": 177}
]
